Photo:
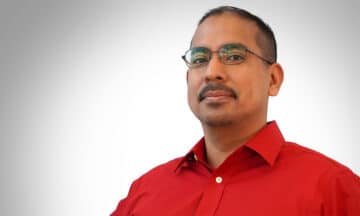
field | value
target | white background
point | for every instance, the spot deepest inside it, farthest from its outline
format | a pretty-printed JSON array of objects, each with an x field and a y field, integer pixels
[{"x": 93, "y": 93}]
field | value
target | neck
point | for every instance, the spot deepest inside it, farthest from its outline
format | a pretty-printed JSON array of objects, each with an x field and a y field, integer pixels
[{"x": 220, "y": 142}]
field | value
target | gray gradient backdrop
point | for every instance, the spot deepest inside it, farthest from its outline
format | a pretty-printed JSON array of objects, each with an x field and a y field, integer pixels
[{"x": 93, "y": 93}]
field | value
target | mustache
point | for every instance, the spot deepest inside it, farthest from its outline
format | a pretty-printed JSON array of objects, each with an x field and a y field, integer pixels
[{"x": 213, "y": 87}]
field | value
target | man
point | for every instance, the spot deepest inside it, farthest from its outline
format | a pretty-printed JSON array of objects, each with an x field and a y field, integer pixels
[{"x": 242, "y": 165}]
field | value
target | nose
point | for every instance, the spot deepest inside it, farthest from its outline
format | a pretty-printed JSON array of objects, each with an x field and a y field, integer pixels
[{"x": 215, "y": 70}]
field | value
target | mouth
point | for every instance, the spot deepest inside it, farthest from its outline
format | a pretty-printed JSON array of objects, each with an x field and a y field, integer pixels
[{"x": 216, "y": 93}]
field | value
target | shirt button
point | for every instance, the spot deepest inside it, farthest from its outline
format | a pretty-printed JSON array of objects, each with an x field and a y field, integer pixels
[{"x": 218, "y": 179}]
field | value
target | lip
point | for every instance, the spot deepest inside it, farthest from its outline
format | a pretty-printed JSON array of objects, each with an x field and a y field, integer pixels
[{"x": 217, "y": 95}]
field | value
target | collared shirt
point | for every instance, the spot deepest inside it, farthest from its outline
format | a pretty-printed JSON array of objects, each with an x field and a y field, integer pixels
[{"x": 266, "y": 176}]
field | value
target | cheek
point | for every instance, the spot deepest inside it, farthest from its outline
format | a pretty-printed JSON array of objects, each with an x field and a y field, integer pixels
[
  {"x": 192, "y": 98},
  {"x": 192, "y": 90},
  {"x": 252, "y": 89},
  {"x": 193, "y": 84}
]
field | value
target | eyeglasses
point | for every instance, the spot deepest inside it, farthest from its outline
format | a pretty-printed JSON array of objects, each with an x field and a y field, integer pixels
[{"x": 229, "y": 54}]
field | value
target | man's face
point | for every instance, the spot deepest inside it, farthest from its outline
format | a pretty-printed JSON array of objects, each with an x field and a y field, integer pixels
[{"x": 240, "y": 92}]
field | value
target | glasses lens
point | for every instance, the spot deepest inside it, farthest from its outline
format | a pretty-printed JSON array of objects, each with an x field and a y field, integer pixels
[
  {"x": 232, "y": 53},
  {"x": 197, "y": 56}
]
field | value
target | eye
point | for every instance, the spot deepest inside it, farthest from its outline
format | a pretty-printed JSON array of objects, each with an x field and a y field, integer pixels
[
  {"x": 234, "y": 57},
  {"x": 233, "y": 53},
  {"x": 199, "y": 58}
]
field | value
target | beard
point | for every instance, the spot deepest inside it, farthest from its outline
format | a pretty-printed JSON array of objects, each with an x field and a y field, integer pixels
[
  {"x": 217, "y": 123},
  {"x": 215, "y": 120}
]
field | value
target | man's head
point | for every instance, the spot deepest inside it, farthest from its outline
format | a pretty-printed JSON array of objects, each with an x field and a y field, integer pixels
[
  {"x": 265, "y": 37},
  {"x": 236, "y": 86}
]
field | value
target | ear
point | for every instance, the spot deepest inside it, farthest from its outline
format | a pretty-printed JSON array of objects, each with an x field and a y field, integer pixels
[{"x": 276, "y": 78}]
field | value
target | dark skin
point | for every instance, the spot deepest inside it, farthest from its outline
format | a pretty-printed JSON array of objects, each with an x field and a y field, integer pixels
[{"x": 229, "y": 122}]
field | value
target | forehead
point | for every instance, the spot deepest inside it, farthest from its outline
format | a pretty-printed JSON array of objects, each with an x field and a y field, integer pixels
[{"x": 225, "y": 28}]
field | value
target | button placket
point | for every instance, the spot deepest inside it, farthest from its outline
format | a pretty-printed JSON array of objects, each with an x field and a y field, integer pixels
[{"x": 211, "y": 196}]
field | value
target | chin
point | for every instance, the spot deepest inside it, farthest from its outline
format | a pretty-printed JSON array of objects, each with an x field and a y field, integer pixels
[{"x": 216, "y": 121}]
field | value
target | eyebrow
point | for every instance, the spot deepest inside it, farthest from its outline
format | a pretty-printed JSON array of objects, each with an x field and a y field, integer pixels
[{"x": 221, "y": 46}]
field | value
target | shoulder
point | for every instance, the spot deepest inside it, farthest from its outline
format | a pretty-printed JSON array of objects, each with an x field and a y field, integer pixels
[
  {"x": 311, "y": 164},
  {"x": 146, "y": 184},
  {"x": 158, "y": 173},
  {"x": 310, "y": 158}
]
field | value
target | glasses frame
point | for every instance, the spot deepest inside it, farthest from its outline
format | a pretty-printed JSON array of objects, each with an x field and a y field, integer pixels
[{"x": 217, "y": 51}]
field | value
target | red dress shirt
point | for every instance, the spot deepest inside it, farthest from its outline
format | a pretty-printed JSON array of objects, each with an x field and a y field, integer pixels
[{"x": 266, "y": 176}]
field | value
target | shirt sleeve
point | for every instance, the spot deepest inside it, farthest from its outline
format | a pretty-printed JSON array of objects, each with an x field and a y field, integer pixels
[
  {"x": 341, "y": 194},
  {"x": 125, "y": 205},
  {"x": 120, "y": 209}
]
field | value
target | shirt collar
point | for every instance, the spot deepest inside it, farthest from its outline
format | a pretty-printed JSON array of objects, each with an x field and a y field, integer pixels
[{"x": 266, "y": 143}]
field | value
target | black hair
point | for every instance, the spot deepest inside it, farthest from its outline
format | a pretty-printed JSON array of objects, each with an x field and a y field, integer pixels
[{"x": 265, "y": 38}]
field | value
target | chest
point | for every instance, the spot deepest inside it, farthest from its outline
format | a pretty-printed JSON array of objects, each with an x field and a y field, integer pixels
[{"x": 251, "y": 194}]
